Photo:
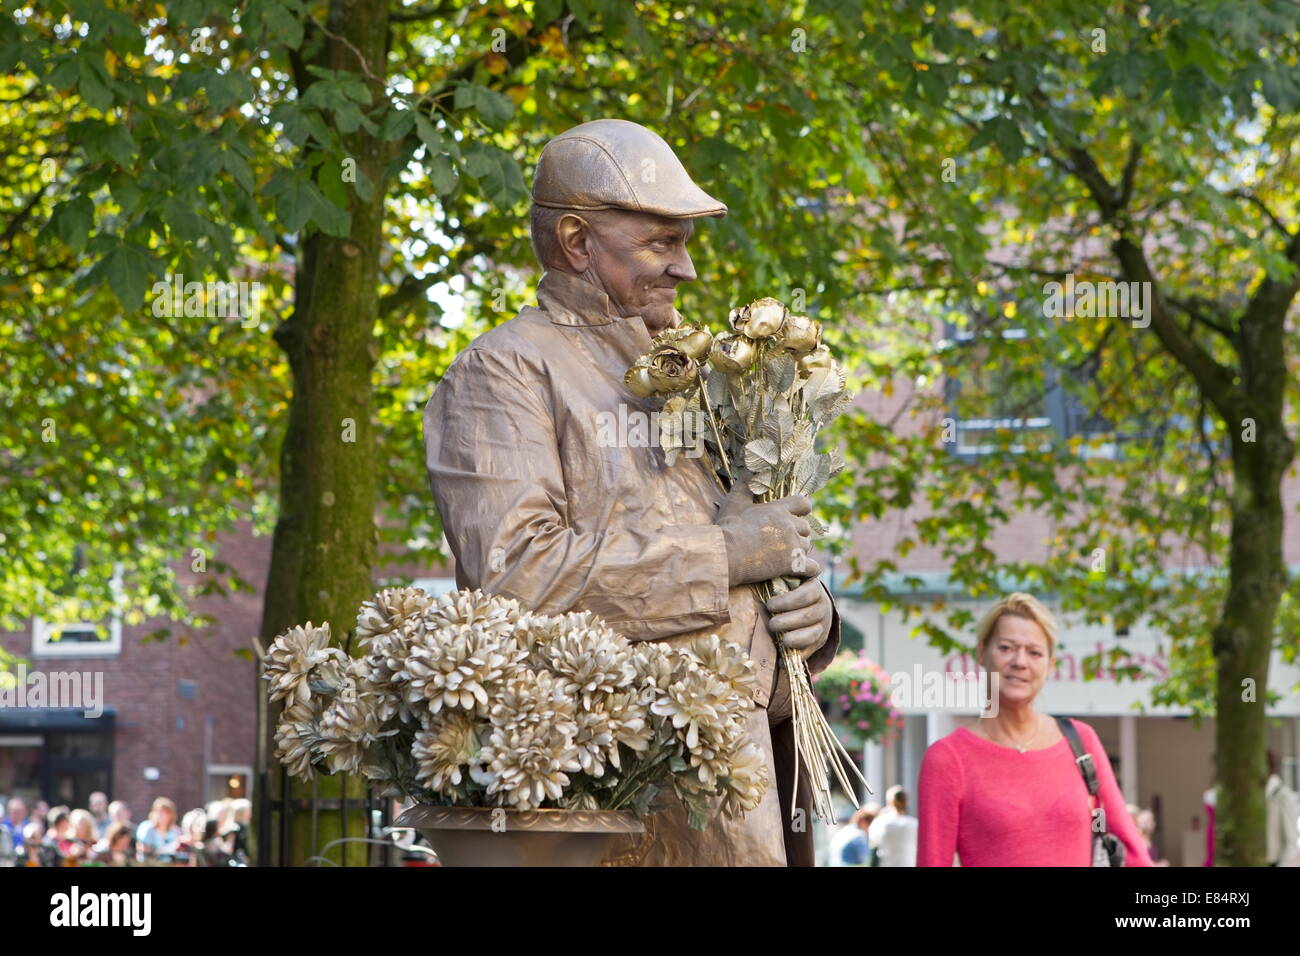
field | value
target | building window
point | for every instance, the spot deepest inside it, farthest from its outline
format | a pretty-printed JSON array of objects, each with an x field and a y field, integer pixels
[
  {"x": 988, "y": 397},
  {"x": 79, "y": 638},
  {"x": 991, "y": 394}
]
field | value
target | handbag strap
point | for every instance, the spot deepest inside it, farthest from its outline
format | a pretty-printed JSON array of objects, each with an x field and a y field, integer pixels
[{"x": 1082, "y": 760}]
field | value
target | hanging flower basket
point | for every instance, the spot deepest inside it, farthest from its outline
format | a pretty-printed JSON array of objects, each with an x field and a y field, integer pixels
[{"x": 854, "y": 693}]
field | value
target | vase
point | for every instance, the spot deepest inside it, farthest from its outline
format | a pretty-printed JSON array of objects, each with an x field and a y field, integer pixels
[{"x": 492, "y": 836}]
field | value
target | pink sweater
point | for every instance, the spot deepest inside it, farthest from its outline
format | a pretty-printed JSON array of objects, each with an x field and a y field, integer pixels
[{"x": 995, "y": 806}]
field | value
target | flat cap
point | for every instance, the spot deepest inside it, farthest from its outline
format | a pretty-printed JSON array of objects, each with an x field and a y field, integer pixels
[{"x": 614, "y": 164}]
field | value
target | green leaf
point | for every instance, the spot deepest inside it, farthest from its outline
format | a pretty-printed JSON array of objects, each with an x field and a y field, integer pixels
[
  {"x": 493, "y": 108},
  {"x": 95, "y": 93},
  {"x": 1009, "y": 140},
  {"x": 397, "y": 124},
  {"x": 283, "y": 28},
  {"x": 496, "y": 171},
  {"x": 441, "y": 173},
  {"x": 127, "y": 271},
  {"x": 239, "y": 169},
  {"x": 298, "y": 203},
  {"x": 72, "y": 220}
]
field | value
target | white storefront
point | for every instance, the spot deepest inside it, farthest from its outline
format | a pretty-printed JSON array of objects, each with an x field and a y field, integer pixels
[{"x": 1161, "y": 756}]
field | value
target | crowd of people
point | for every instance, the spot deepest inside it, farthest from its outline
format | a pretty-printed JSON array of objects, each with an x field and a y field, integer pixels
[{"x": 103, "y": 834}]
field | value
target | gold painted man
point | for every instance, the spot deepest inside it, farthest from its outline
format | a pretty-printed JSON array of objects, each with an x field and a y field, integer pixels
[{"x": 538, "y": 503}]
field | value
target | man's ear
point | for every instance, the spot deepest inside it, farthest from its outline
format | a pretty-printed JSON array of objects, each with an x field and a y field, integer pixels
[{"x": 572, "y": 233}]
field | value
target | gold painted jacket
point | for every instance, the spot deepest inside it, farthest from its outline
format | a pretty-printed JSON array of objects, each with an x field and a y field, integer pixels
[{"x": 553, "y": 491}]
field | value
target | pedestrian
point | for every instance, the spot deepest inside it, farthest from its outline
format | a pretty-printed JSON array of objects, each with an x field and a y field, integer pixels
[
  {"x": 84, "y": 837},
  {"x": 1007, "y": 790},
  {"x": 115, "y": 848},
  {"x": 241, "y": 815},
  {"x": 1282, "y": 813},
  {"x": 849, "y": 844},
  {"x": 98, "y": 805},
  {"x": 14, "y": 821},
  {"x": 893, "y": 832},
  {"x": 57, "y": 843},
  {"x": 33, "y": 836},
  {"x": 159, "y": 835}
]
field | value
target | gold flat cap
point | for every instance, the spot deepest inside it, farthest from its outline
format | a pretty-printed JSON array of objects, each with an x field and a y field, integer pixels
[{"x": 614, "y": 164}]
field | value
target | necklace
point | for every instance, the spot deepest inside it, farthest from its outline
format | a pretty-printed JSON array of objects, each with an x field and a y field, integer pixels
[{"x": 1025, "y": 745}]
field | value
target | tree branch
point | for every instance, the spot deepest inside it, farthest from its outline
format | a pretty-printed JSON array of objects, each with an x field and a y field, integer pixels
[
  {"x": 407, "y": 291},
  {"x": 1199, "y": 310},
  {"x": 412, "y": 14},
  {"x": 1213, "y": 378},
  {"x": 1130, "y": 173},
  {"x": 1263, "y": 207}
]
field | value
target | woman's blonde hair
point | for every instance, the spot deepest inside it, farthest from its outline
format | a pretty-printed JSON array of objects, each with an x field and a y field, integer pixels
[
  {"x": 159, "y": 805},
  {"x": 1016, "y": 605}
]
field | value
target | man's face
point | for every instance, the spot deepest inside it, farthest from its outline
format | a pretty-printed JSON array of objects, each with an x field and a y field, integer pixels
[
  {"x": 637, "y": 259},
  {"x": 98, "y": 804},
  {"x": 17, "y": 811}
]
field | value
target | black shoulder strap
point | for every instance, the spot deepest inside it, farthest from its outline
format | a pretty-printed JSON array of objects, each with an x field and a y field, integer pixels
[{"x": 1081, "y": 756}]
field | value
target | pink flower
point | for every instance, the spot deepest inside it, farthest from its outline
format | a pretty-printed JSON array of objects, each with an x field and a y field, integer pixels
[{"x": 862, "y": 724}]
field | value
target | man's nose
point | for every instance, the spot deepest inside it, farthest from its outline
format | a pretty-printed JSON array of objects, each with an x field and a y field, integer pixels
[{"x": 682, "y": 269}]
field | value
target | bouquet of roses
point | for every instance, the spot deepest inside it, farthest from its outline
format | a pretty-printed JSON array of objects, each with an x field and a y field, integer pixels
[
  {"x": 470, "y": 700},
  {"x": 763, "y": 390}
]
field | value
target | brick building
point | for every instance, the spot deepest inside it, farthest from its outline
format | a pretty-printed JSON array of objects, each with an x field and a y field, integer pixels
[{"x": 178, "y": 716}]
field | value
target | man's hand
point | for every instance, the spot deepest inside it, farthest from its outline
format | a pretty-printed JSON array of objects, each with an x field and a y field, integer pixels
[
  {"x": 765, "y": 541},
  {"x": 802, "y": 617}
]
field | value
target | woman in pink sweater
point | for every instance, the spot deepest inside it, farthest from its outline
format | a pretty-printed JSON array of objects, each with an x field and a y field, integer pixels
[{"x": 1005, "y": 790}]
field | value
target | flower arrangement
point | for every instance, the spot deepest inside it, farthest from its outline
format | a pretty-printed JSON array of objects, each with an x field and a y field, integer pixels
[
  {"x": 470, "y": 700},
  {"x": 771, "y": 385},
  {"x": 854, "y": 691}
]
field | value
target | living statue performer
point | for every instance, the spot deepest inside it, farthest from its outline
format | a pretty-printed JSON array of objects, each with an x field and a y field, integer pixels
[{"x": 539, "y": 503}]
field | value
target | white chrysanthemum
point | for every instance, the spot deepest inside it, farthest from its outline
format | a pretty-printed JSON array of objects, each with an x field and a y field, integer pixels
[
  {"x": 295, "y": 744},
  {"x": 746, "y": 779},
  {"x": 654, "y": 669},
  {"x": 528, "y": 764},
  {"x": 594, "y": 742},
  {"x": 728, "y": 661},
  {"x": 629, "y": 721},
  {"x": 490, "y": 613},
  {"x": 349, "y": 725},
  {"x": 697, "y": 704},
  {"x": 532, "y": 698},
  {"x": 532, "y": 746},
  {"x": 389, "y": 610},
  {"x": 589, "y": 662},
  {"x": 291, "y": 658},
  {"x": 457, "y": 667},
  {"x": 445, "y": 752}
]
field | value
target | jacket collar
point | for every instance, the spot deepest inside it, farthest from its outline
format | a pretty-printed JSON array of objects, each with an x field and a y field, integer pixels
[{"x": 571, "y": 300}]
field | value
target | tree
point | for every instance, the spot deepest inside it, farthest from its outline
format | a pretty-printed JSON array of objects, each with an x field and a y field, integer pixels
[
  {"x": 352, "y": 157},
  {"x": 1167, "y": 132}
]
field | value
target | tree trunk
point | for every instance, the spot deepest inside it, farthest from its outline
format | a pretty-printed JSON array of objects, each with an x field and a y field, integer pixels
[
  {"x": 1243, "y": 642},
  {"x": 324, "y": 546},
  {"x": 1243, "y": 638}
]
